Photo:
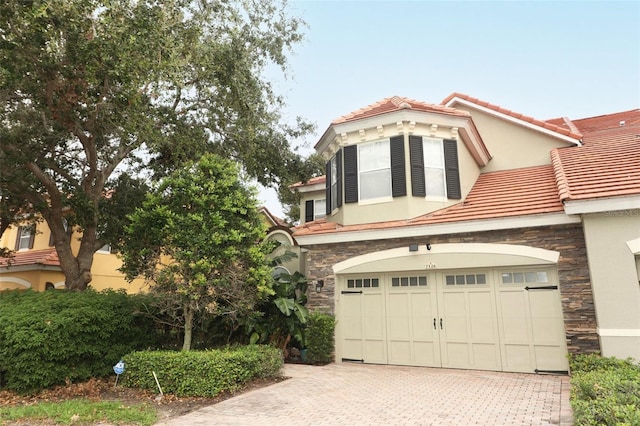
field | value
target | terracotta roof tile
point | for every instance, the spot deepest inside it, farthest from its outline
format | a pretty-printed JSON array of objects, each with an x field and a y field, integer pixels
[
  {"x": 546, "y": 125},
  {"x": 48, "y": 257},
  {"x": 501, "y": 194},
  {"x": 396, "y": 103},
  {"x": 608, "y": 163},
  {"x": 313, "y": 181}
]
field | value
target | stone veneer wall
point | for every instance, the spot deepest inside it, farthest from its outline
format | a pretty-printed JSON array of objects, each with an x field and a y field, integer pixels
[{"x": 573, "y": 271}]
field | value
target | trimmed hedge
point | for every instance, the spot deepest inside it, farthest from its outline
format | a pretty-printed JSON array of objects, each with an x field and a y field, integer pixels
[
  {"x": 201, "y": 373},
  {"x": 605, "y": 391},
  {"x": 49, "y": 338},
  {"x": 320, "y": 338}
]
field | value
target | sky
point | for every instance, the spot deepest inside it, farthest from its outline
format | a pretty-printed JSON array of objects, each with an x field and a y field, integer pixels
[{"x": 544, "y": 59}]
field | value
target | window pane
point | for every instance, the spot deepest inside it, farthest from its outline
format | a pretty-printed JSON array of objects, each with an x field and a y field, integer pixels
[
  {"x": 404, "y": 281},
  {"x": 471, "y": 279},
  {"x": 358, "y": 283},
  {"x": 320, "y": 208},
  {"x": 531, "y": 277},
  {"x": 481, "y": 279},
  {"x": 542, "y": 277},
  {"x": 459, "y": 279},
  {"x": 375, "y": 184},
  {"x": 395, "y": 282},
  {"x": 367, "y": 282},
  {"x": 434, "y": 181},
  {"x": 422, "y": 280},
  {"x": 350, "y": 284},
  {"x": 450, "y": 280},
  {"x": 413, "y": 281},
  {"x": 334, "y": 170},
  {"x": 518, "y": 277},
  {"x": 25, "y": 237},
  {"x": 507, "y": 278},
  {"x": 374, "y": 282},
  {"x": 374, "y": 156},
  {"x": 433, "y": 152}
]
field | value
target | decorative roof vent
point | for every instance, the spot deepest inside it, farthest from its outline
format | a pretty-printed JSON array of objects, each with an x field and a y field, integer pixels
[
  {"x": 622, "y": 123},
  {"x": 405, "y": 105}
]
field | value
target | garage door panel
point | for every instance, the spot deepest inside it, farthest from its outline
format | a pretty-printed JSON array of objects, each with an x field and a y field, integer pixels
[
  {"x": 352, "y": 349},
  {"x": 374, "y": 320},
  {"x": 485, "y": 356},
  {"x": 518, "y": 358},
  {"x": 514, "y": 317},
  {"x": 400, "y": 352},
  {"x": 426, "y": 354},
  {"x": 422, "y": 317},
  {"x": 352, "y": 317},
  {"x": 375, "y": 351},
  {"x": 398, "y": 317},
  {"x": 550, "y": 358},
  {"x": 457, "y": 355}
]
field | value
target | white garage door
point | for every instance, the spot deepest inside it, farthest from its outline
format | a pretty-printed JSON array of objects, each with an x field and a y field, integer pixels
[{"x": 487, "y": 319}]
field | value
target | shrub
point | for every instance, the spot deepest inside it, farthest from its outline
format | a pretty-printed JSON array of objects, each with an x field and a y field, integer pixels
[
  {"x": 52, "y": 337},
  {"x": 320, "y": 338},
  {"x": 201, "y": 373},
  {"x": 605, "y": 390}
]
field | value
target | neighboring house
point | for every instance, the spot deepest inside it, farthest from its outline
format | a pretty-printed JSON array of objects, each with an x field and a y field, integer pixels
[
  {"x": 278, "y": 230},
  {"x": 35, "y": 264},
  {"x": 466, "y": 235}
]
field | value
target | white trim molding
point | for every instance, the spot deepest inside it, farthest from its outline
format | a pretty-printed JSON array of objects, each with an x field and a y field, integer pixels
[
  {"x": 438, "y": 229},
  {"x": 619, "y": 332},
  {"x": 612, "y": 205},
  {"x": 447, "y": 256},
  {"x": 16, "y": 280},
  {"x": 634, "y": 246}
]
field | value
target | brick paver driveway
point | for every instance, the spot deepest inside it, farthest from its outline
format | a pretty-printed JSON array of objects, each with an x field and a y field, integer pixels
[{"x": 355, "y": 394}]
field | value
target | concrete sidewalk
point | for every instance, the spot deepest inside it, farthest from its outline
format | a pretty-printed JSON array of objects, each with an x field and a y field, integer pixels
[{"x": 356, "y": 394}]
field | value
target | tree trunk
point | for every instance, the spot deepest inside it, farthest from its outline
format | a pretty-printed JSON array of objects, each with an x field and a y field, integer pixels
[
  {"x": 76, "y": 269},
  {"x": 188, "y": 326}
]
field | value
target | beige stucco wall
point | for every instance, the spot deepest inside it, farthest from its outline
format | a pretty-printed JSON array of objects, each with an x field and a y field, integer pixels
[
  {"x": 512, "y": 146},
  {"x": 614, "y": 279},
  {"x": 104, "y": 270}
]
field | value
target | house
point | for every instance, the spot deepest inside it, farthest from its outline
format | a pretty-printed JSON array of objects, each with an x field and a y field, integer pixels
[
  {"x": 35, "y": 264},
  {"x": 466, "y": 235}
]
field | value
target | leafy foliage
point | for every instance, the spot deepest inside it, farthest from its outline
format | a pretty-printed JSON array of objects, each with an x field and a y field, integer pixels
[
  {"x": 320, "y": 338},
  {"x": 284, "y": 315},
  {"x": 201, "y": 373},
  {"x": 197, "y": 240},
  {"x": 90, "y": 88},
  {"x": 51, "y": 337},
  {"x": 605, "y": 390}
]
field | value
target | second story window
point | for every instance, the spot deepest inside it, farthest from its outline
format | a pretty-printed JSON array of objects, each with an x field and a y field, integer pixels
[
  {"x": 374, "y": 167},
  {"x": 434, "y": 167},
  {"x": 314, "y": 209},
  {"x": 26, "y": 235}
]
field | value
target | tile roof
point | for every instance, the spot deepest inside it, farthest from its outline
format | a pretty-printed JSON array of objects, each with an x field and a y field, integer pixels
[
  {"x": 555, "y": 127},
  {"x": 396, "y": 103},
  {"x": 48, "y": 257},
  {"x": 500, "y": 194},
  {"x": 608, "y": 163},
  {"x": 313, "y": 181}
]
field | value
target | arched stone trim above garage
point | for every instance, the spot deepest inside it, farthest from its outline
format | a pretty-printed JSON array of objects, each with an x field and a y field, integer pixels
[
  {"x": 5, "y": 282},
  {"x": 447, "y": 256}
]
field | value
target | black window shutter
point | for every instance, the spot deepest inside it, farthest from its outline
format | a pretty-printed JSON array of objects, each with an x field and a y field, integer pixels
[
  {"x": 351, "y": 174},
  {"x": 308, "y": 211},
  {"x": 20, "y": 230},
  {"x": 339, "y": 177},
  {"x": 451, "y": 169},
  {"x": 328, "y": 188},
  {"x": 398, "y": 174},
  {"x": 32, "y": 235},
  {"x": 416, "y": 156}
]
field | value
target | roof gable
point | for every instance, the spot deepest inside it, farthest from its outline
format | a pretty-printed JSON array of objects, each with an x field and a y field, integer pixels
[{"x": 548, "y": 128}]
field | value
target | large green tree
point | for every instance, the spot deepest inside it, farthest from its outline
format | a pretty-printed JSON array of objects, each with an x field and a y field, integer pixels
[
  {"x": 197, "y": 240},
  {"x": 91, "y": 89}
]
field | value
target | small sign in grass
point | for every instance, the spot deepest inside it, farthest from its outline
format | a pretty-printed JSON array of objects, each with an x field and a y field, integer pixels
[{"x": 81, "y": 411}]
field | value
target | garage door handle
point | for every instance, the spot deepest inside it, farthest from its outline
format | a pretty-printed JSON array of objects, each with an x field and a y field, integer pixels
[
  {"x": 440, "y": 323},
  {"x": 434, "y": 324}
]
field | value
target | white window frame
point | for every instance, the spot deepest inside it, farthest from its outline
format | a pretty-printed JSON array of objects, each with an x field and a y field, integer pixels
[
  {"x": 320, "y": 208},
  {"x": 386, "y": 143},
  {"x": 429, "y": 164},
  {"x": 25, "y": 235}
]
